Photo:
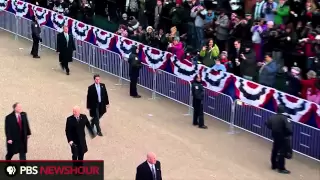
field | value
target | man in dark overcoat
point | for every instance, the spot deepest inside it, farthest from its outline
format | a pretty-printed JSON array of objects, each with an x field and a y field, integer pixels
[
  {"x": 65, "y": 48},
  {"x": 150, "y": 169},
  {"x": 17, "y": 132},
  {"x": 76, "y": 134},
  {"x": 97, "y": 102}
]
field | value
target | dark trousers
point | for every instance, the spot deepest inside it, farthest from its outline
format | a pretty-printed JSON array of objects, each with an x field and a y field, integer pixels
[
  {"x": 22, "y": 156},
  {"x": 278, "y": 152},
  {"x": 65, "y": 66},
  {"x": 198, "y": 112},
  {"x": 35, "y": 47},
  {"x": 78, "y": 157},
  {"x": 95, "y": 121},
  {"x": 133, "y": 86}
]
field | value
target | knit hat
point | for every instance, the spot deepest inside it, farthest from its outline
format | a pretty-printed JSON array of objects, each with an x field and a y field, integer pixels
[
  {"x": 149, "y": 27},
  {"x": 133, "y": 25}
]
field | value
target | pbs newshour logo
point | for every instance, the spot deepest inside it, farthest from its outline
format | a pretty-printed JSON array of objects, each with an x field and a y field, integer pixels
[{"x": 11, "y": 170}]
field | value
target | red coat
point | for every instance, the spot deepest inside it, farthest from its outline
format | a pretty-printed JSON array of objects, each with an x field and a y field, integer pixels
[{"x": 306, "y": 84}]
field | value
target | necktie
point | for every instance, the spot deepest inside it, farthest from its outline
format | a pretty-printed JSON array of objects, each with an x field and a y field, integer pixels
[
  {"x": 67, "y": 38},
  {"x": 153, "y": 172},
  {"x": 19, "y": 122}
]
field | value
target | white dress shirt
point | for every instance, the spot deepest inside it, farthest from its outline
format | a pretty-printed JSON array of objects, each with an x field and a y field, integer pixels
[
  {"x": 98, "y": 88},
  {"x": 153, "y": 169}
]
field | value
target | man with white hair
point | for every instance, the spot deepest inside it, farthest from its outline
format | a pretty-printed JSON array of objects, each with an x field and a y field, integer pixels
[
  {"x": 76, "y": 135},
  {"x": 150, "y": 169}
]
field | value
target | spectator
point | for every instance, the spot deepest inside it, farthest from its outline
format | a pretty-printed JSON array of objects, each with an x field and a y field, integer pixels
[
  {"x": 313, "y": 95},
  {"x": 199, "y": 14},
  {"x": 157, "y": 13},
  {"x": 173, "y": 34},
  {"x": 209, "y": 53},
  {"x": 267, "y": 71},
  {"x": 150, "y": 36},
  {"x": 222, "y": 30},
  {"x": 132, "y": 7},
  {"x": 209, "y": 17},
  {"x": 225, "y": 61},
  {"x": 282, "y": 13},
  {"x": 218, "y": 66},
  {"x": 176, "y": 47},
  {"x": 296, "y": 11},
  {"x": 309, "y": 85},
  {"x": 257, "y": 9},
  {"x": 72, "y": 9},
  {"x": 236, "y": 56},
  {"x": 257, "y": 29},
  {"x": 289, "y": 41},
  {"x": 269, "y": 9},
  {"x": 176, "y": 14},
  {"x": 163, "y": 41},
  {"x": 293, "y": 82},
  {"x": 248, "y": 66}
]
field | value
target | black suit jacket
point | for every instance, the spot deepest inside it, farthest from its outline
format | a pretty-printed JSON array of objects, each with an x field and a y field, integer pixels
[
  {"x": 13, "y": 132},
  {"x": 92, "y": 99},
  {"x": 75, "y": 131},
  {"x": 65, "y": 49},
  {"x": 144, "y": 172}
]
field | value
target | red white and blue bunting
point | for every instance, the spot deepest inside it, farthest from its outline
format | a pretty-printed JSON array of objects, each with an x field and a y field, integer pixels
[
  {"x": 21, "y": 8},
  {"x": 102, "y": 38},
  {"x": 3, "y": 5},
  {"x": 58, "y": 21},
  {"x": 80, "y": 30},
  {"x": 236, "y": 87},
  {"x": 42, "y": 14}
]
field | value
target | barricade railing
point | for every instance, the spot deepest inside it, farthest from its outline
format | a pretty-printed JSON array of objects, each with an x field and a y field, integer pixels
[
  {"x": 216, "y": 104},
  {"x": 252, "y": 119}
]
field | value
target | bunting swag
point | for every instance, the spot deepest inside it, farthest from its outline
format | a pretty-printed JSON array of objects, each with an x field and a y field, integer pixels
[{"x": 235, "y": 87}]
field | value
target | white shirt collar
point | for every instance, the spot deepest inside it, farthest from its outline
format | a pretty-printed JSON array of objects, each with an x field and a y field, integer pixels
[{"x": 151, "y": 165}]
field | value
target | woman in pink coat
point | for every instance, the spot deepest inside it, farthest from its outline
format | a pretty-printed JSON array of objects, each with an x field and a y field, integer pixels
[{"x": 176, "y": 48}]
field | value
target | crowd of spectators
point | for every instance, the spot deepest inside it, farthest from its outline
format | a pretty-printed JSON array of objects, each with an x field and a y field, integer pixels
[{"x": 276, "y": 44}]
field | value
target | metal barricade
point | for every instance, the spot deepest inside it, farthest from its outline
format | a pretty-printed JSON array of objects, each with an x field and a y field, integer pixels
[
  {"x": 306, "y": 140},
  {"x": 218, "y": 105},
  {"x": 23, "y": 27},
  {"x": 172, "y": 87},
  {"x": 49, "y": 37},
  {"x": 8, "y": 21},
  {"x": 252, "y": 119},
  {"x": 106, "y": 61}
]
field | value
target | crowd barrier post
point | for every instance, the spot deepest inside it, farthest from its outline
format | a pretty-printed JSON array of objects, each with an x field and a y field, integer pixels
[
  {"x": 190, "y": 107},
  {"x": 154, "y": 88},
  {"x": 231, "y": 125},
  {"x": 120, "y": 72},
  {"x": 91, "y": 59},
  {"x": 17, "y": 27}
]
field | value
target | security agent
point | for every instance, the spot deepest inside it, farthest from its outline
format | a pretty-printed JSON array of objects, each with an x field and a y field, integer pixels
[
  {"x": 36, "y": 38},
  {"x": 281, "y": 129},
  {"x": 198, "y": 95}
]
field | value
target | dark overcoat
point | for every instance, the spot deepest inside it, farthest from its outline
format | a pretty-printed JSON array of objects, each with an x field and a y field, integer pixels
[
  {"x": 75, "y": 131},
  {"x": 92, "y": 99},
  {"x": 19, "y": 137},
  {"x": 144, "y": 172},
  {"x": 65, "y": 49}
]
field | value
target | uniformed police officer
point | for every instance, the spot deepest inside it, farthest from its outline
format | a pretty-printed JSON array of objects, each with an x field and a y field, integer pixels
[
  {"x": 281, "y": 129},
  {"x": 134, "y": 69},
  {"x": 198, "y": 95},
  {"x": 36, "y": 38}
]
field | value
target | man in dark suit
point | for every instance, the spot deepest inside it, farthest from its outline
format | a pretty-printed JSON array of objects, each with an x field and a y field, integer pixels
[
  {"x": 76, "y": 136},
  {"x": 97, "y": 102},
  {"x": 150, "y": 169},
  {"x": 236, "y": 56},
  {"x": 65, "y": 48},
  {"x": 17, "y": 132},
  {"x": 36, "y": 38}
]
